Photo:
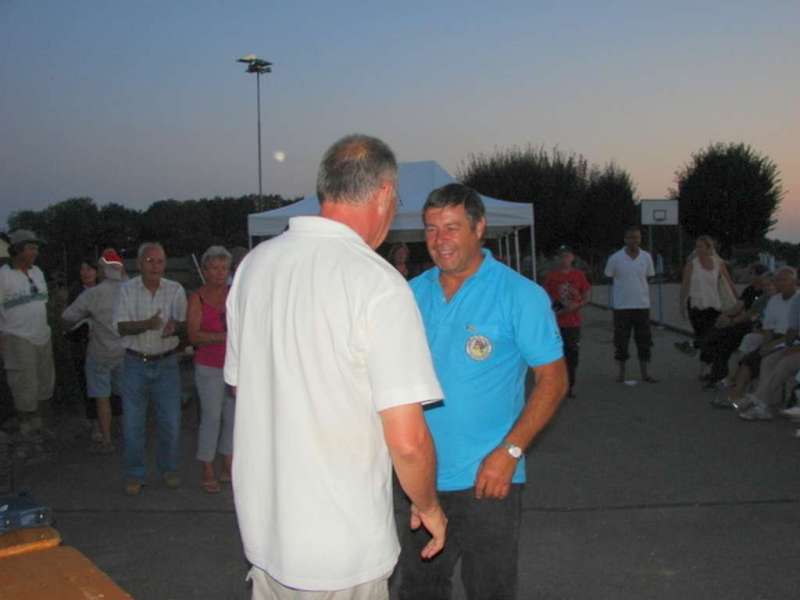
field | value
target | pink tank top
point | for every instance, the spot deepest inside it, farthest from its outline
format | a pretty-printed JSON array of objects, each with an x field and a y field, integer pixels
[{"x": 213, "y": 321}]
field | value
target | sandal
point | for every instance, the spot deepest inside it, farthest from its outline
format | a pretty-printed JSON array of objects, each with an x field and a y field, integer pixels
[
  {"x": 225, "y": 478},
  {"x": 210, "y": 486},
  {"x": 101, "y": 448}
]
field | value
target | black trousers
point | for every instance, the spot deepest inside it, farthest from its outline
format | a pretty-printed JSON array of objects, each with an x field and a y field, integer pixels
[
  {"x": 484, "y": 534},
  {"x": 718, "y": 345},
  {"x": 703, "y": 321},
  {"x": 571, "y": 337},
  {"x": 638, "y": 321}
]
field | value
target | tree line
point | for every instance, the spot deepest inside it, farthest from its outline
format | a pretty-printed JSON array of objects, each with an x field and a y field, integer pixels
[
  {"x": 727, "y": 190},
  {"x": 76, "y": 228}
]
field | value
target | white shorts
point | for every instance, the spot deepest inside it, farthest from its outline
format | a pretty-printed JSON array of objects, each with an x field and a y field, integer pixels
[{"x": 266, "y": 587}]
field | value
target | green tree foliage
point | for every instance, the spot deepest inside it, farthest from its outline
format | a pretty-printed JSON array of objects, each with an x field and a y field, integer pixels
[
  {"x": 76, "y": 227},
  {"x": 554, "y": 182},
  {"x": 607, "y": 208},
  {"x": 728, "y": 191}
]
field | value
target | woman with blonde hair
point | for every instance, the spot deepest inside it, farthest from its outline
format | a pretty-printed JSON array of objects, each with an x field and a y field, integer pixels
[{"x": 706, "y": 290}]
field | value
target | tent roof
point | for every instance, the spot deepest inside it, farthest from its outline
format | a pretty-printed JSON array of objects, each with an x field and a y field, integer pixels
[{"x": 416, "y": 181}]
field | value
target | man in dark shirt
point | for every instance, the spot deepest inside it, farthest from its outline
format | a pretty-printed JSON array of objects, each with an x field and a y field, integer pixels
[{"x": 718, "y": 345}]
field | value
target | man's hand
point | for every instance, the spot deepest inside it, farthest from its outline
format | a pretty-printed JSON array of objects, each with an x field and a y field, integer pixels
[
  {"x": 435, "y": 523},
  {"x": 155, "y": 321},
  {"x": 169, "y": 329},
  {"x": 494, "y": 475}
]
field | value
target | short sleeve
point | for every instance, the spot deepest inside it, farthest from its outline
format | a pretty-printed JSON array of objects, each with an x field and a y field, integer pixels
[
  {"x": 231, "y": 369},
  {"x": 583, "y": 283},
  {"x": 179, "y": 307},
  {"x": 609, "y": 270},
  {"x": 122, "y": 307},
  {"x": 535, "y": 327},
  {"x": 650, "y": 269},
  {"x": 398, "y": 358}
]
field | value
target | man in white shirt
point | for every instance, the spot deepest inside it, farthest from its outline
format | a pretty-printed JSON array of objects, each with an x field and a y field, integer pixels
[
  {"x": 25, "y": 337},
  {"x": 328, "y": 356},
  {"x": 148, "y": 314},
  {"x": 629, "y": 268}
]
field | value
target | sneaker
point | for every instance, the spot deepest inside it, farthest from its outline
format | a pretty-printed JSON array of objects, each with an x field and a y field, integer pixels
[
  {"x": 133, "y": 487},
  {"x": 757, "y": 412},
  {"x": 171, "y": 479},
  {"x": 686, "y": 347},
  {"x": 97, "y": 435},
  {"x": 744, "y": 403},
  {"x": 792, "y": 413},
  {"x": 721, "y": 400}
]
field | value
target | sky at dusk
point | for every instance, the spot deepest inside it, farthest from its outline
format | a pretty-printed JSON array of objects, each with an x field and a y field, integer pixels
[{"x": 133, "y": 102}]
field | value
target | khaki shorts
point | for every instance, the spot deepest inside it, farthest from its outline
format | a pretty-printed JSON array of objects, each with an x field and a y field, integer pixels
[
  {"x": 267, "y": 588},
  {"x": 29, "y": 370}
]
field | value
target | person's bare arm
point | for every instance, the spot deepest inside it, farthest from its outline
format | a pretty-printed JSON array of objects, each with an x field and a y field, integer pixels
[
  {"x": 497, "y": 469},
  {"x": 414, "y": 458},
  {"x": 136, "y": 327},
  {"x": 685, "y": 282},
  {"x": 194, "y": 318}
]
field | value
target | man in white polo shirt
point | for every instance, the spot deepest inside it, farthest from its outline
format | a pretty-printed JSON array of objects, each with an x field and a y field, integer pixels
[
  {"x": 328, "y": 355},
  {"x": 630, "y": 267}
]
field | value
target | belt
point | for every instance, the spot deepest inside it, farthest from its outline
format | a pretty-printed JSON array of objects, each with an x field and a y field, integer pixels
[{"x": 149, "y": 357}]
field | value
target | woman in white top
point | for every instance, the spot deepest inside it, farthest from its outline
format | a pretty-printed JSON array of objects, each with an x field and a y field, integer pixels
[{"x": 700, "y": 291}]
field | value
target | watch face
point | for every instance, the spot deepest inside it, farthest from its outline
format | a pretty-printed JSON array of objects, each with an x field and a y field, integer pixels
[{"x": 514, "y": 451}]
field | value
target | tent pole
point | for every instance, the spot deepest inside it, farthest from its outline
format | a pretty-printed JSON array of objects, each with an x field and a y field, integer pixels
[
  {"x": 516, "y": 250},
  {"x": 508, "y": 249},
  {"x": 533, "y": 254}
]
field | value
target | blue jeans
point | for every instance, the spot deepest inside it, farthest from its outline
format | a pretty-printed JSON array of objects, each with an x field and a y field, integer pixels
[
  {"x": 484, "y": 534},
  {"x": 158, "y": 380}
]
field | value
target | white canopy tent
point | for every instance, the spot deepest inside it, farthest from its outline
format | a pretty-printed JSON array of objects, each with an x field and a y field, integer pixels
[{"x": 416, "y": 180}]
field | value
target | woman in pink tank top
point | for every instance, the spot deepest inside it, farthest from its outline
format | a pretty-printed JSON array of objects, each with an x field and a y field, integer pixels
[{"x": 207, "y": 333}]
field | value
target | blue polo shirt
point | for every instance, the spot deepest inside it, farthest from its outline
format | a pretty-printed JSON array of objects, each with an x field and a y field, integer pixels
[{"x": 483, "y": 340}]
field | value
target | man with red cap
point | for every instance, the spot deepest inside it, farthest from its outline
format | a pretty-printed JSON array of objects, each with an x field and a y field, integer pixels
[{"x": 105, "y": 353}]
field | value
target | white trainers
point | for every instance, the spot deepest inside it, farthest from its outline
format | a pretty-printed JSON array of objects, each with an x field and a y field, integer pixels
[
  {"x": 757, "y": 412},
  {"x": 792, "y": 413}
]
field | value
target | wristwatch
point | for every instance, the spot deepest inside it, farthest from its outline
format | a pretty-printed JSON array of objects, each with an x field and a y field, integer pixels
[{"x": 513, "y": 451}]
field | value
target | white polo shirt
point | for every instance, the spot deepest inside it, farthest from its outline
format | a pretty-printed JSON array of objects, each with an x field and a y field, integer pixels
[
  {"x": 322, "y": 335},
  {"x": 23, "y": 304},
  {"x": 137, "y": 303},
  {"x": 630, "y": 288},
  {"x": 776, "y": 315}
]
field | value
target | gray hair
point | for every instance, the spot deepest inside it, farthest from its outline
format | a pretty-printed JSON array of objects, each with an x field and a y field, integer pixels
[
  {"x": 215, "y": 253},
  {"x": 353, "y": 169},
  {"x": 148, "y": 246}
]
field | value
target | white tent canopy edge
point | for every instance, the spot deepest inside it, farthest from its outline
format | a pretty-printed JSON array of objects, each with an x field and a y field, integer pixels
[{"x": 416, "y": 180}]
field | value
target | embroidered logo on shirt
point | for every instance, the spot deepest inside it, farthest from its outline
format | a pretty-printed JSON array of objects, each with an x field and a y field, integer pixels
[{"x": 479, "y": 347}]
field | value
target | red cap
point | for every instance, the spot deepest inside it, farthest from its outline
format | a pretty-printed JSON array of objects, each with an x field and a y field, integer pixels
[{"x": 110, "y": 257}]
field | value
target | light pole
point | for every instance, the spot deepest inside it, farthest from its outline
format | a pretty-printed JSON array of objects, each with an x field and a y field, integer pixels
[{"x": 257, "y": 66}]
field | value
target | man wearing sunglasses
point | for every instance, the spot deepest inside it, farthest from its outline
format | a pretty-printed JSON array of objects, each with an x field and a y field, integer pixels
[{"x": 25, "y": 337}]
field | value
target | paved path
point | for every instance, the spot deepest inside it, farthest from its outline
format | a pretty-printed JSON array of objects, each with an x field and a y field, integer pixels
[{"x": 634, "y": 492}]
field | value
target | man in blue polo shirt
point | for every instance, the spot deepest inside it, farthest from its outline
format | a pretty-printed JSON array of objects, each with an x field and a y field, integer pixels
[{"x": 486, "y": 325}]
